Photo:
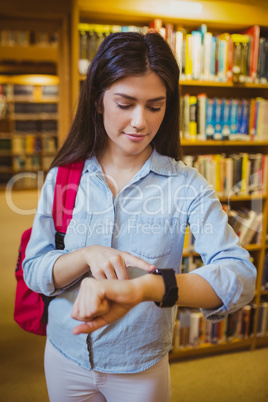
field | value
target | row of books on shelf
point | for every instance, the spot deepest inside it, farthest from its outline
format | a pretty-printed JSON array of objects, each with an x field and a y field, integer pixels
[
  {"x": 35, "y": 108},
  {"x": 21, "y": 181},
  {"x": 31, "y": 163},
  {"x": 36, "y": 126},
  {"x": 246, "y": 223},
  {"x": 28, "y": 110},
  {"x": 30, "y": 92},
  {"x": 25, "y": 163},
  {"x": 192, "y": 330},
  {"x": 23, "y": 37},
  {"x": 201, "y": 55},
  {"x": 235, "y": 174},
  {"x": 23, "y": 144},
  {"x": 204, "y": 118}
]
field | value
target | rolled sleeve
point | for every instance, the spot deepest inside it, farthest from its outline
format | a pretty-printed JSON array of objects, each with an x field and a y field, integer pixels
[{"x": 227, "y": 266}]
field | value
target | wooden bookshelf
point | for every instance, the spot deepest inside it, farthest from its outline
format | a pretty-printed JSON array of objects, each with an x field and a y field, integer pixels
[
  {"x": 32, "y": 54},
  {"x": 35, "y": 41},
  {"x": 220, "y": 17},
  {"x": 211, "y": 349},
  {"x": 31, "y": 139}
]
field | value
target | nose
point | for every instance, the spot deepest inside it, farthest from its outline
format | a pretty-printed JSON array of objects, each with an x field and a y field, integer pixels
[{"x": 138, "y": 119}]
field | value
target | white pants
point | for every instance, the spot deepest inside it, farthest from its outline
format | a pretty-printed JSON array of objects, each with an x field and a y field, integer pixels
[{"x": 66, "y": 381}]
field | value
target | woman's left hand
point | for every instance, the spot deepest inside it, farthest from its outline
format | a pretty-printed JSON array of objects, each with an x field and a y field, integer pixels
[{"x": 100, "y": 302}]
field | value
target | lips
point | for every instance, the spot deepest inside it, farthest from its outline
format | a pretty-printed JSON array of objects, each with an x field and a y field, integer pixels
[{"x": 135, "y": 137}]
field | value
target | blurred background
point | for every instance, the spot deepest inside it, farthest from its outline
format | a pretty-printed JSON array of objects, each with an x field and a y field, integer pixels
[{"x": 222, "y": 51}]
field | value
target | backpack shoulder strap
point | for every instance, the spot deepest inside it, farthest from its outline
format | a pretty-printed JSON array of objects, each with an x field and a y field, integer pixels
[{"x": 67, "y": 182}]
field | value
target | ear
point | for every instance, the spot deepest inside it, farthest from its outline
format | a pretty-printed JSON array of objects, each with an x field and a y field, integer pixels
[{"x": 99, "y": 107}]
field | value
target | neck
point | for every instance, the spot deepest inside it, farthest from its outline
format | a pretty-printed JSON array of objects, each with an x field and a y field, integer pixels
[
  {"x": 119, "y": 169},
  {"x": 124, "y": 162}
]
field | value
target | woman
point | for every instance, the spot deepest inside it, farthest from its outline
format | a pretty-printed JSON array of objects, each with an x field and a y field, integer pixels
[{"x": 133, "y": 203}]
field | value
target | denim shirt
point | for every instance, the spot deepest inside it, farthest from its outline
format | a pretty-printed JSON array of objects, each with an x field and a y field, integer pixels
[{"x": 148, "y": 219}]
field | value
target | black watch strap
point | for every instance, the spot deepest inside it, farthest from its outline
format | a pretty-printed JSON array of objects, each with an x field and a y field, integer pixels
[{"x": 171, "y": 288}]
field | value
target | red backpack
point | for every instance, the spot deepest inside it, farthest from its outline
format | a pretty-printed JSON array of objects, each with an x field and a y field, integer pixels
[{"x": 31, "y": 309}]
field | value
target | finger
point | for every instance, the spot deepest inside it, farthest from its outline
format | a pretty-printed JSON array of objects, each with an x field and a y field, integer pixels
[
  {"x": 87, "y": 311},
  {"x": 89, "y": 327},
  {"x": 119, "y": 266},
  {"x": 99, "y": 274},
  {"x": 110, "y": 271},
  {"x": 133, "y": 261}
]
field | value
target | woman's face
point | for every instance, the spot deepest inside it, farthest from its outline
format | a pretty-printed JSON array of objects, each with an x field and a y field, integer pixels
[{"x": 133, "y": 110}]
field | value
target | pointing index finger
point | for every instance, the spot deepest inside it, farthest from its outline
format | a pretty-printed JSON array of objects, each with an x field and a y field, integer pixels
[{"x": 132, "y": 260}]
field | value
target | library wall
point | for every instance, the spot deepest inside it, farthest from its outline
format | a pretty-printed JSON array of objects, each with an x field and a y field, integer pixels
[
  {"x": 34, "y": 50},
  {"x": 224, "y": 99},
  {"x": 224, "y": 132}
]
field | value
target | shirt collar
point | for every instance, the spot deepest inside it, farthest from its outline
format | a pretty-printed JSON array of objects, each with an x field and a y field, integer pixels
[
  {"x": 91, "y": 165},
  {"x": 157, "y": 163},
  {"x": 163, "y": 165}
]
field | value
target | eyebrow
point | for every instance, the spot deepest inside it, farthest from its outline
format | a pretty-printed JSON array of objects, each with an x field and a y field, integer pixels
[{"x": 159, "y": 98}]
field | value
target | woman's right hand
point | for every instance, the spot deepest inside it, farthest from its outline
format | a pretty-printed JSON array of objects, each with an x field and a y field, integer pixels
[
  {"x": 103, "y": 262},
  {"x": 109, "y": 263}
]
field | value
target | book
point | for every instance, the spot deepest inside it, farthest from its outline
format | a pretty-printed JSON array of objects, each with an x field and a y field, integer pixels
[
  {"x": 186, "y": 116},
  {"x": 264, "y": 170},
  {"x": 179, "y": 49},
  {"x": 192, "y": 118},
  {"x": 228, "y": 175},
  {"x": 210, "y": 119},
  {"x": 176, "y": 335},
  {"x": 246, "y": 310},
  {"x": 225, "y": 119},
  {"x": 194, "y": 334},
  {"x": 223, "y": 54},
  {"x": 250, "y": 227},
  {"x": 252, "y": 119},
  {"x": 218, "y": 174},
  {"x": 262, "y": 119},
  {"x": 243, "y": 120},
  {"x": 264, "y": 281},
  {"x": 201, "y": 116},
  {"x": 213, "y": 58},
  {"x": 262, "y": 319},
  {"x": 188, "y": 57},
  {"x": 255, "y": 178},
  {"x": 263, "y": 61},
  {"x": 157, "y": 26},
  {"x": 207, "y": 55},
  {"x": 240, "y": 57},
  {"x": 218, "y": 119},
  {"x": 245, "y": 174},
  {"x": 233, "y": 119},
  {"x": 230, "y": 57},
  {"x": 254, "y": 34},
  {"x": 196, "y": 54},
  {"x": 170, "y": 36}
]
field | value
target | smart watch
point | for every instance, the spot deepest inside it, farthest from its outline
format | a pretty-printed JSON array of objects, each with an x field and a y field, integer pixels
[{"x": 171, "y": 288}]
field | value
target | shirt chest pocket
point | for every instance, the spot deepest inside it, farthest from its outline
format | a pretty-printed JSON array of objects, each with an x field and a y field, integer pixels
[
  {"x": 77, "y": 232},
  {"x": 152, "y": 237}
]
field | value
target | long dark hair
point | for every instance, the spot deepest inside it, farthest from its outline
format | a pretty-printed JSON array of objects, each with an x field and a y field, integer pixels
[{"x": 122, "y": 55}]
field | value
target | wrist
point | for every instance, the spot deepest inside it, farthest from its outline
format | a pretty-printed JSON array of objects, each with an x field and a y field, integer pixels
[{"x": 150, "y": 288}]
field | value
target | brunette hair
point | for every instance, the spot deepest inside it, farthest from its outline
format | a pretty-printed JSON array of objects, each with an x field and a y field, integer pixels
[{"x": 121, "y": 55}]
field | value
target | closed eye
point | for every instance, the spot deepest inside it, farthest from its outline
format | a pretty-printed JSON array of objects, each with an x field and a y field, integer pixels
[
  {"x": 124, "y": 107},
  {"x": 154, "y": 109}
]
